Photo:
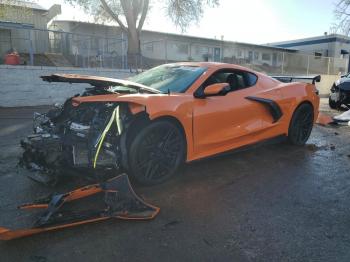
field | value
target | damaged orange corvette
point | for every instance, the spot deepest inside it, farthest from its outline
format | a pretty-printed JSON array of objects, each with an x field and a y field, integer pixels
[{"x": 156, "y": 121}]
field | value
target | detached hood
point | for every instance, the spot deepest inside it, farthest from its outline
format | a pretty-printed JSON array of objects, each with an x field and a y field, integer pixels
[{"x": 98, "y": 82}]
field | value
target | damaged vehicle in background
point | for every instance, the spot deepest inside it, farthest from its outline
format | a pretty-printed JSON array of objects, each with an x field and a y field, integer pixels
[
  {"x": 151, "y": 124},
  {"x": 340, "y": 93}
]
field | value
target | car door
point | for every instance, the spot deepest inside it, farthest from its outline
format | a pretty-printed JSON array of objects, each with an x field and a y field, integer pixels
[{"x": 224, "y": 122}]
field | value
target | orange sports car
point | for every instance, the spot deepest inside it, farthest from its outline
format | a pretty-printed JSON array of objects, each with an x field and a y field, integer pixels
[{"x": 154, "y": 122}]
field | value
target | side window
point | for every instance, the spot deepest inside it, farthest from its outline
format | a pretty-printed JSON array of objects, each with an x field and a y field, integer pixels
[
  {"x": 251, "y": 79},
  {"x": 235, "y": 78}
]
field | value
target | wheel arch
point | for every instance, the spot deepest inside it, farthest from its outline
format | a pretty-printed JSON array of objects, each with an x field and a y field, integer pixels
[
  {"x": 177, "y": 123},
  {"x": 172, "y": 119},
  {"x": 296, "y": 108},
  {"x": 296, "y": 133},
  {"x": 142, "y": 120},
  {"x": 304, "y": 102}
]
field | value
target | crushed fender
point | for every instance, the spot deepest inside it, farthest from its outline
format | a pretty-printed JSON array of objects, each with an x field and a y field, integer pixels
[{"x": 117, "y": 197}]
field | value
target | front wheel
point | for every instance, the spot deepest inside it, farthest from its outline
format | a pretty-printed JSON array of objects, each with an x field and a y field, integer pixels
[
  {"x": 333, "y": 104},
  {"x": 157, "y": 153},
  {"x": 300, "y": 126}
]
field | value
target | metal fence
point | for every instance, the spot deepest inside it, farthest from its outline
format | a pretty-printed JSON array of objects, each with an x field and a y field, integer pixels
[
  {"x": 261, "y": 59},
  {"x": 57, "y": 48},
  {"x": 89, "y": 50},
  {"x": 54, "y": 48}
]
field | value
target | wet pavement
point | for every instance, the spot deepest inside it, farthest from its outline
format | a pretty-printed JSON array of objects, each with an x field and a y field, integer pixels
[{"x": 269, "y": 203}]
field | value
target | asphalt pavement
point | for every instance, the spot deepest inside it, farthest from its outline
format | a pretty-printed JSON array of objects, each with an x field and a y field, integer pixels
[{"x": 274, "y": 202}]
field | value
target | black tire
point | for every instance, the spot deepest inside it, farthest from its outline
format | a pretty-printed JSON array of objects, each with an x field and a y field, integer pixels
[
  {"x": 300, "y": 126},
  {"x": 156, "y": 153},
  {"x": 333, "y": 104}
]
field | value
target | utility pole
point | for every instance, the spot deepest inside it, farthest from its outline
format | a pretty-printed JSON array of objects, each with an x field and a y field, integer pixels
[{"x": 222, "y": 48}]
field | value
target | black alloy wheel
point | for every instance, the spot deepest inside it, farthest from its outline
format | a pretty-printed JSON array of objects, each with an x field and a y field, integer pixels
[
  {"x": 157, "y": 153},
  {"x": 301, "y": 124}
]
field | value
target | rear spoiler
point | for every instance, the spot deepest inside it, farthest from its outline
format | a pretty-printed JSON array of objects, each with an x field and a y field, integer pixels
[{"x": 289, "y": 79}]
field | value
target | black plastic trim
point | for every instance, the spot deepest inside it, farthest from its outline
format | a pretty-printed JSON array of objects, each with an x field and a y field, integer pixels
[{"x": 273, "y": 107}]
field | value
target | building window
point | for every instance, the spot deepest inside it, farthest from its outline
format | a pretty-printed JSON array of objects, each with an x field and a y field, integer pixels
[
  {"x": 201, "y": 50},
  {"x": 95, "y": 43},
  {"x": 148, "y": 47},
  {"x": 279, "y": 57},
  {"x": 181, "y": 48},
  {"x": 318, "y": 55},
  {"x": 239, "y": 53},
  {"x": 256, "y": 55},
  {"x": 266, "y": 57}
]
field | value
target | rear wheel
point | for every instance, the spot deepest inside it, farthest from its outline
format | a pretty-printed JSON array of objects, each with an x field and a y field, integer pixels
[
  {"x": 300, "y": 126},
  {"x": 156, "y": 153}
]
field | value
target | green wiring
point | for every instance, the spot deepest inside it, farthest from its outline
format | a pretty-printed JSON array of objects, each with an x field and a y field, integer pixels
[{"x": 114, "y": 117}]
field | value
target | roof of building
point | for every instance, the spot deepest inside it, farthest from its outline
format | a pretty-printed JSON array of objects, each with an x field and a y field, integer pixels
[
  {"x": 312, "y": 40},
  {"x": 8, "y": 24},
  {"x": 186, "y": 36},
  {"x": 21, "y": 3}
]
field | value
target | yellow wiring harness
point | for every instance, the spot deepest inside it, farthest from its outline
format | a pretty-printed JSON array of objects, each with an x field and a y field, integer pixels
[{"x": 114, "y": 117}]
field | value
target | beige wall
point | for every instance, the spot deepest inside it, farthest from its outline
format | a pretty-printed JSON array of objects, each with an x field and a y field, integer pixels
[
  {"x": 326, "y": 83},
  {"x": 22, "y": 85}
]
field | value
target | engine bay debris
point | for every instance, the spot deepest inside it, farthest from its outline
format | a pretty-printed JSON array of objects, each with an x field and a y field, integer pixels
[{"x": 66, "y": 141}]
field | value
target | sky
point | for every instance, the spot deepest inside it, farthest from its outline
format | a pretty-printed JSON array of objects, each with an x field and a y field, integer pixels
[{"x": 249, "y": 21}]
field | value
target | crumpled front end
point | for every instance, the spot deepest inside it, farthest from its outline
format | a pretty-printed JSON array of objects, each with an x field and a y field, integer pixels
[
  {"x": 70, "y": 138},
  {"x": 340, "y": 92}
]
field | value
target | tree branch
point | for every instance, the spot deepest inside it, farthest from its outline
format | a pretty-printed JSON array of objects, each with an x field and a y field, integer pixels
[
  {"x": 136, "y": 8},
  {"x": 145, "y": 7},
  {"x": 343, "y": 13},
  {"x": 113, "y": 15},
  {"x": 129, "y": 14}
]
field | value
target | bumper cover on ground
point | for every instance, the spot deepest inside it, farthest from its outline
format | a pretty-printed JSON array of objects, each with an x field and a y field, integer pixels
[{"x": 117, "y": 197}]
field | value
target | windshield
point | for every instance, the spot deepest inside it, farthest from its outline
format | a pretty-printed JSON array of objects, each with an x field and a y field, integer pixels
[{"x": 169, "y": 78}]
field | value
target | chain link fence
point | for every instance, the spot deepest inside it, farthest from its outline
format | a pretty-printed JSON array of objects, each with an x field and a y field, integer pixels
[
  {"x": 54, "y": 48},
  {"x": 89, "y": 50},
  {"x": 265, "y": 60},
  {"x": 65, "y": 49}
]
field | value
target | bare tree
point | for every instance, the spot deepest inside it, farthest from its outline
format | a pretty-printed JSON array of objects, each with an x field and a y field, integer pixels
[
  {"x": 342, "y": 15},
  {"x": 130, "y": 15}
]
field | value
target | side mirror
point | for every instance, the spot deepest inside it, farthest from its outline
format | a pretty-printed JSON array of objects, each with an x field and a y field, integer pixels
[{"x": 220, "y": 89}]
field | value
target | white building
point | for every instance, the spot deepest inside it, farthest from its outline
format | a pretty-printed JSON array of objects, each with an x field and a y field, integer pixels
[
  {"x": 333, "y": 45},
  {"x": 94, "y": 39},
  {"x": 17, "y": 21}
]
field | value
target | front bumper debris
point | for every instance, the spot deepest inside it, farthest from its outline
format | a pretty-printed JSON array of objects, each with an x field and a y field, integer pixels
[
  {"x": 115, "y": 197},
  {"x": 65, "y": 147},
  {"x": 324, "y": 119}
]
